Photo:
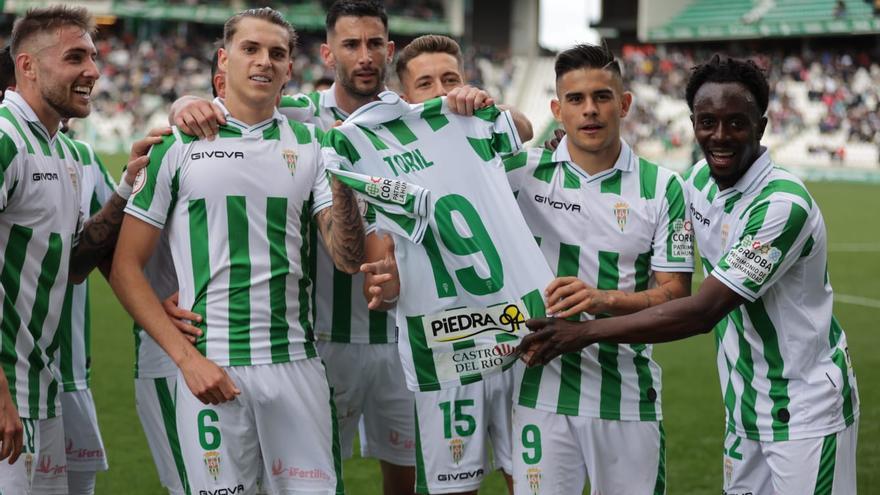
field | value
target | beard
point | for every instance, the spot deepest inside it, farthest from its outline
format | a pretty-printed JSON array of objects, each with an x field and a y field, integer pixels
[
  {"x": 58, "y": 97},
  {"x": 348, "y": 83}
]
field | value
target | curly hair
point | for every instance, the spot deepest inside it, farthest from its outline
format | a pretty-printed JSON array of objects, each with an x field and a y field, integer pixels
[{"x": 724, "y": 69}]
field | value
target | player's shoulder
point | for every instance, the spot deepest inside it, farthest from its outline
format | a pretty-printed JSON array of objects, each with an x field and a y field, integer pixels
[
  {"x": 782, "y": 186},
  {"x": 11, "y": 139},
  {"x": 299, "y": 107},
  {"x": 305, "y": 132}
]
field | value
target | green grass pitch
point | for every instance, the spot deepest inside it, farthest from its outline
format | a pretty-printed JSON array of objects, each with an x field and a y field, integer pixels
[{"x": 692, "y": 402}]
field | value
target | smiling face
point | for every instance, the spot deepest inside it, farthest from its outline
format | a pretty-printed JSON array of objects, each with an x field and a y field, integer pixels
[
  {"x": 591, "y": 103},
  {"x": 257, "y": 62},
  {"x": 430, "y": 75},
  {"x": 728, "y": 126},
  {"x": 359, "y": 51},
  {"x": 62, "y": 65}
]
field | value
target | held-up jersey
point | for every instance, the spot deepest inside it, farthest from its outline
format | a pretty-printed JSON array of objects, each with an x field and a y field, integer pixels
[
  {"x": 782, "y": 357},
  {"x": 74, "y": 326},
  {"x": 341, "y": 310},
  {"x": 612, "y": 230},
  {"x": 240, "y": 211},
  {"x": 39, "y": 222},
  {"x": 470, "y": 271}
]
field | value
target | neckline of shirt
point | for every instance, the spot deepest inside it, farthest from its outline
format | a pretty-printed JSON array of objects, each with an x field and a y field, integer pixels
[
  {"x": 624, "y": 161},
  {"x": 245, "y": 128}
]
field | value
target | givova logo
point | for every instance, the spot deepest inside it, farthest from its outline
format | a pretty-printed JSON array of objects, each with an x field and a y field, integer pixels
[
  {"x": 233, "y": 490},
  {"x": 38, "y": 176}
]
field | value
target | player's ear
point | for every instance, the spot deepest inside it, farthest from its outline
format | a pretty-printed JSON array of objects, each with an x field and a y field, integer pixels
[
  {"x": 556, "y": 108},
  {"x": 390, "y": 56},
  {"x": 26, "y": 64},
  {"x": 327, "y": 56},
  {"x": 625, "y": 103},
  {"x": 222, "y": 59}
]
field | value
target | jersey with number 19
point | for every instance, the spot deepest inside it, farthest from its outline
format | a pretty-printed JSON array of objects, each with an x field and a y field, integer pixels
[
  {"x": 782, "y": 357},
  {"x": 470, "y": 271},
  {"x": 612, "y": 230},
  {"x": 39, "y": 220},
  {"x": 238, "y": 212}
]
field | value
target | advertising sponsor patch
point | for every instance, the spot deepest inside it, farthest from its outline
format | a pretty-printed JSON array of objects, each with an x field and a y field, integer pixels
[
  {"x": 753, "y": 258},
  {"x": 682, "y": 239},
  {"x": 390, "y": 190}
]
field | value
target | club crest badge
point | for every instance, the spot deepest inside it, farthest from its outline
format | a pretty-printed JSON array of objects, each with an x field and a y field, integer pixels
[
  {"x": 212, "y": 463},
  {"x": 456, "y": 447},
  {"x": 533, "y": 476},
  {"x": 290, "y": 157},
  {"x": 621, "y": 212}
]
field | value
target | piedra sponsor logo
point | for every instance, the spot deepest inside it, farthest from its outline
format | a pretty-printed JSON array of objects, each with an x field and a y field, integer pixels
[{"x": 452, "y": 326}]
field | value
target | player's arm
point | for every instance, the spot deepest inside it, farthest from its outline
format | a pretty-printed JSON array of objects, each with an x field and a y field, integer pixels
[
  {"x": 342, "y": 229},
  {"x": 196, "y": 116},
  {"x": 568, "y": 296},
  {"x": 381, "y": 279},
  {"x": 137, "y": 240},
  {"x": 99, "y": 234},
  {"x": 11, "y": 429},
  {"x": 673, "y": 320},
  {"x": 464, "y": 100}
]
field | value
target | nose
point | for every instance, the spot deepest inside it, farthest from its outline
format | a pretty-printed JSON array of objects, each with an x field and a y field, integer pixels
[
  {"x": 91, "y": 70},
  {"x": 590, "y": 107},
  {"x": 720, "y": 133}
]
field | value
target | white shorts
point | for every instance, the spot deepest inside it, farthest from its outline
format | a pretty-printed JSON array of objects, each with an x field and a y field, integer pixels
[
  {"x": 154, "y": 401},
  {"x": 42, "y": 467},
  {"x": 554, "y": 454},
  {"x": 82, "y": 438},
  {"x": 824, "y": 465},
  {"x": 284, "y": 418},
  {"x": 368, "y": 383},
  {"x": 454, "y": 428}
]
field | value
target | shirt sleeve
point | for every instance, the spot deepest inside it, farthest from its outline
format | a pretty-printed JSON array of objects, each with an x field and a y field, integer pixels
[
  {"x": 771, "y": 241},
  {"x": 106, "y": 186},
  {"x": 321, "y": 194},
  {"x": 518, "y": 165},
  {"x": 495, "y": 133},
  {"x": 673, "y": 245},
  {"x": 399, "y": 207},
  {"x": 11, "y": 164},
  {"x": 153, "y": 196}
]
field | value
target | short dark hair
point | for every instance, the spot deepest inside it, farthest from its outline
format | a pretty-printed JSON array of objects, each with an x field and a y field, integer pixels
[
  {"x": 724, "y": 69},
  {"x": 265, "y": 13},
  {"x": 7, "y": 70},
  {"x": 586, "y": 56},
  {"x": 47, "y": 19},
  {"x": 355, "y": 8},
  {"x": 429, "y": 43}
]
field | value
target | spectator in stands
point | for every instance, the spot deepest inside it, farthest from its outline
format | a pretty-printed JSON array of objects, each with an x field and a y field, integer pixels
[{"x": 7, "y": 71}]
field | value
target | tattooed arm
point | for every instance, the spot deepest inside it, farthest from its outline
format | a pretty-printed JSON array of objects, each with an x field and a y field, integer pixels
[
  {"x": 99, "y": 234},
  {"x": 342, "y": 229}
]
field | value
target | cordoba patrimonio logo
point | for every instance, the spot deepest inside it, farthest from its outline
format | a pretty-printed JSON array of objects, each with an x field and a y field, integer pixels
[{"x": 621, "y": 211}]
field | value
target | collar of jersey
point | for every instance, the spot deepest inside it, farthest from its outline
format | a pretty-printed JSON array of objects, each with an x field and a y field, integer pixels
[
  {"x": 328, "y": 101},
  {"x": 388, "y": 107},
  {"x": 23, "y": 110},
  {"x": 753, "y": 177},
  {"x": 625, "y": 161},
  {"x": 259, "y": 127}
]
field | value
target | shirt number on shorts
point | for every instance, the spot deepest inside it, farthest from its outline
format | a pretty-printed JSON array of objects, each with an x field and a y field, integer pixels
[
  {"x": 465, "y": 424},
  {"x": 209, "y": 435},
  {"x": 531, "y": 440}
]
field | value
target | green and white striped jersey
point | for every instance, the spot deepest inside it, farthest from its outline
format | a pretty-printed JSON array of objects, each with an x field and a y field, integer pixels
[
  {"x": 782, "y": 357},
  {"x": 341, "y": 310},
  {"x": 238, "y": 212},
  {"x": 39, "y": 222},
  {"x": 74, "y": 325},
  {"x": 469, "y": 274},
  {"x": 612, "y": 230},
  {"x": 150, "y": 360}
]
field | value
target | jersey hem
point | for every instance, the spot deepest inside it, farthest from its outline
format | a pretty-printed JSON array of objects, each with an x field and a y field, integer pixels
[
  {"x": 74, "y": 386},
  {"x": 672, "y": 268},
  {"x": 563, "y": 411},
  {"x": 326, "y": 337},
  {"x": 797, "y": 434}
]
